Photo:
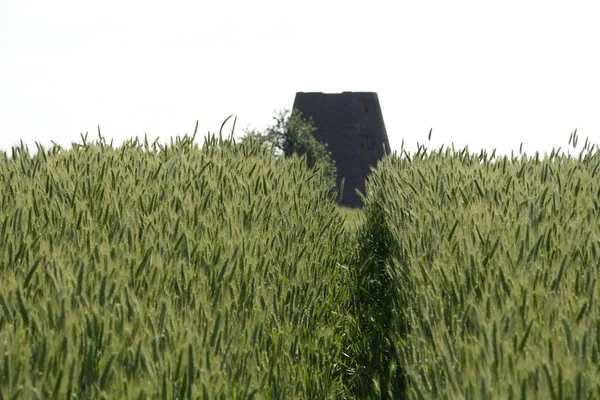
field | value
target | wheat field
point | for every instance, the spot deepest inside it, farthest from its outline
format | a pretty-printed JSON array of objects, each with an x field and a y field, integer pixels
[{"x": 217, "y": 271}]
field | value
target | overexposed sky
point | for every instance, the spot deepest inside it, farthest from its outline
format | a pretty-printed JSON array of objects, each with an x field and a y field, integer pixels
[{"x": 486, "y": 74}]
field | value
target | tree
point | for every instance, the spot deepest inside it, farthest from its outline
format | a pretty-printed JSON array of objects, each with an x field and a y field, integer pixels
[{"x": 292, "y": 134}]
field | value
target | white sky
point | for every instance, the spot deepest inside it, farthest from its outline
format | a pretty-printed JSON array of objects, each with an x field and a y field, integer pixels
[{"x": 490, "y": 75}]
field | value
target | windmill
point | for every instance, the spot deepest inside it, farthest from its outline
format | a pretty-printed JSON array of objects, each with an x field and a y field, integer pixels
[{"x": 351, "y": 124}]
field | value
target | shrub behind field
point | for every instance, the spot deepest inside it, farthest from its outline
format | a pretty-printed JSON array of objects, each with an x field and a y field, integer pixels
[
  {"x": 168, "y": 272},
  {"x": 482, "y": 276}
]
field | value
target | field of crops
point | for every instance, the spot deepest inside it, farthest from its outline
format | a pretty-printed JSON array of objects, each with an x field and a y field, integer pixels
[
  {"x": 171, "y": 272},
  {"x": 220, "y": 272},
  {"x": 488, "y": 271}
]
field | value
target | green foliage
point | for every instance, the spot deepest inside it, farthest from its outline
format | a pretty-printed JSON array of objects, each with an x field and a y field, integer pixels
[
  {"x": 293, "y": 135},
  {"x": 176, "y": 271},
  {"x": 491, "y": 268}
]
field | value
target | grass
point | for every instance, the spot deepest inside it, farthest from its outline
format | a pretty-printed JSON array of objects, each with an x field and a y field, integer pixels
[
  {"x": 218, "y": 271},
  {"x": 485, "y": 275},
  {"x": 353, "y": 217},
  {"x": 174, "y": 271}
]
